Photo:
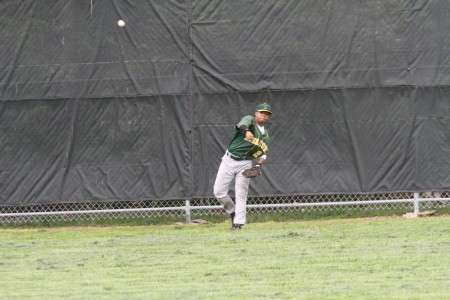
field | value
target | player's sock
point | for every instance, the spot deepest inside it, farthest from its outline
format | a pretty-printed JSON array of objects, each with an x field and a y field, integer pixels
[{"x": 232, "y": 217}]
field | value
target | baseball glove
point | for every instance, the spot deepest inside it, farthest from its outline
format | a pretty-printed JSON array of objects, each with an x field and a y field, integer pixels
[{"x": 252, "y": 172}]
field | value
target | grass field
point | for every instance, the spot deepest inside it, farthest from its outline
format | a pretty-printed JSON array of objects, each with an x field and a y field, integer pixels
[{"x": 380, "y": 258}]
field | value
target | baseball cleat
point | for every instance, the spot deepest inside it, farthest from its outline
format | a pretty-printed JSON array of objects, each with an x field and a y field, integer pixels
[{"x": 236, "y": 227}]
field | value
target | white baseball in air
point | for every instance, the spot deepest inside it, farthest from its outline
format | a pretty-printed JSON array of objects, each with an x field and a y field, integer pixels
[{"x": 121, "y": 23}]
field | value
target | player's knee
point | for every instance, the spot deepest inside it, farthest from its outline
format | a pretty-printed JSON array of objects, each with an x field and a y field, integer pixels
[
  {"x": 220, "y": 190},
  {"x": 219, "y": 194},
  {"x": 242, "y": 187}
]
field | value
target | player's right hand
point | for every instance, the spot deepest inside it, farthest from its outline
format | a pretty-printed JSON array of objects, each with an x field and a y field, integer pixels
[{"x": 249, "y": 135}]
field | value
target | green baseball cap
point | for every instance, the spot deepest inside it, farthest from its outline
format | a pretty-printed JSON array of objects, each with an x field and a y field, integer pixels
[{"x": 264, "y": 107}]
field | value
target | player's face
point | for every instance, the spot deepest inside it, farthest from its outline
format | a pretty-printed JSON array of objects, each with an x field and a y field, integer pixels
[{"x": 262, "y": 117}]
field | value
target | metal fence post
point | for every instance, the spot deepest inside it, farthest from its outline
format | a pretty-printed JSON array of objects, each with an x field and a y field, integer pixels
[
  {"x": 416, "y": 204},
  {"x": 188, "y": 211}
]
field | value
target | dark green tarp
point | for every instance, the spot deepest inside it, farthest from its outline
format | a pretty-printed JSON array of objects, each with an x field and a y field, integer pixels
[{"x": 90, "y": 111}]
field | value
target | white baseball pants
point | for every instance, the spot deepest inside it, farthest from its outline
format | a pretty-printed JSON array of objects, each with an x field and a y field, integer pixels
[{"x": 230, "y": 170}]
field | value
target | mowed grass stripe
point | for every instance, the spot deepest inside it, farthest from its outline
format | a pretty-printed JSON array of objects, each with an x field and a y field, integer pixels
[{"x": 391, "y": 258}]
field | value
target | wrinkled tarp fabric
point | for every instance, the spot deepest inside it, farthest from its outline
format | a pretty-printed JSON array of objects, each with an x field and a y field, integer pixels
[{"x": 90, "y": 111}]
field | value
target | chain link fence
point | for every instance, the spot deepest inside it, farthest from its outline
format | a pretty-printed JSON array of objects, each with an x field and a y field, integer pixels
[{"x": 184, "y": 210}]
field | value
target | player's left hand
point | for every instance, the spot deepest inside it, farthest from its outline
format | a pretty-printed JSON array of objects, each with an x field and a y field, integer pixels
[{"x": 252, "y": 172}]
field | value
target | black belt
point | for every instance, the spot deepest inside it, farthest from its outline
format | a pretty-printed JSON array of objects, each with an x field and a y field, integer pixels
[{"x": 234, "y": 157}]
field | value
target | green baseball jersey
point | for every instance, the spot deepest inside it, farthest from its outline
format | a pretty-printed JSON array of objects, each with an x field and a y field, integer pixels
[{"x": 245, "y": 149}]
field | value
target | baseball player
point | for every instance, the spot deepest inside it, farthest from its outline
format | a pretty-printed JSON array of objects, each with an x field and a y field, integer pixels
[{"x": 250, "y": 142}]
